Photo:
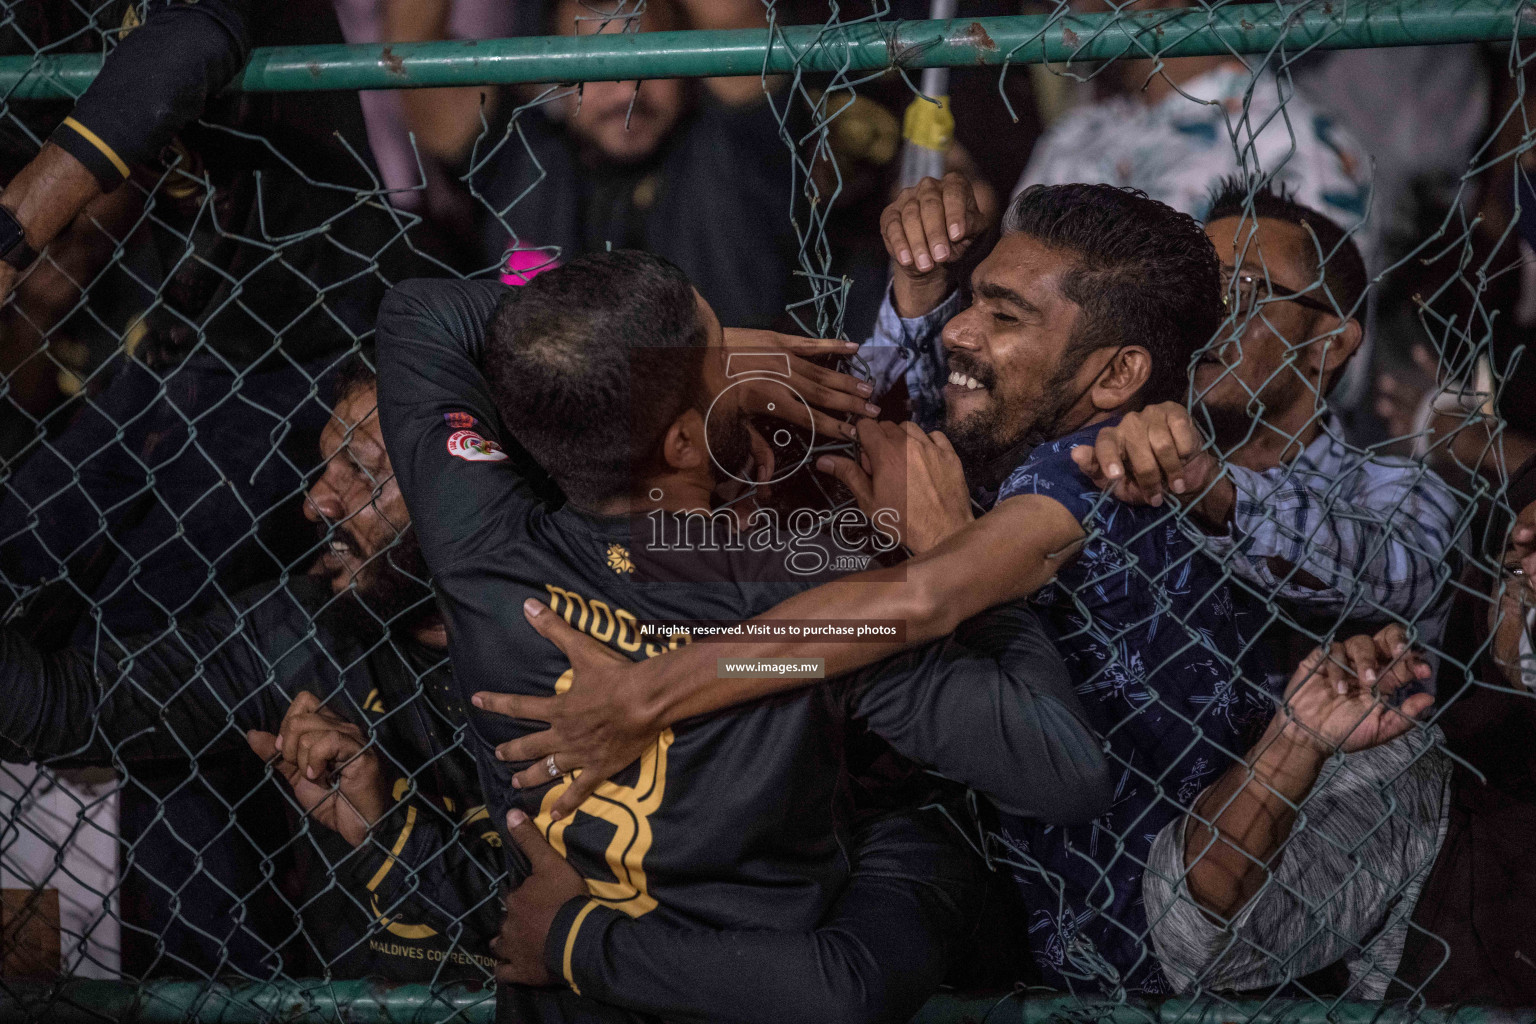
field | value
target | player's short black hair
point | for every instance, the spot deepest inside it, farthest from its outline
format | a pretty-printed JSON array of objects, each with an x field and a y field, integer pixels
[
  {"x": 1343, "y": 276},
  {"x": 1146, "y": 274},
  {"x": 590, "y": 363}
]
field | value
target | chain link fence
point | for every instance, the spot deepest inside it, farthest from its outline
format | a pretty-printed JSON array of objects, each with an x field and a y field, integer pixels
[{"x": 188, "y": 360}]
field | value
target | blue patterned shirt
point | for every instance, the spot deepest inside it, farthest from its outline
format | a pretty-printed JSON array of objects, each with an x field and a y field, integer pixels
[
  {"x": 1149, "y": 633},
  {"x": 1148, "y": 630}
]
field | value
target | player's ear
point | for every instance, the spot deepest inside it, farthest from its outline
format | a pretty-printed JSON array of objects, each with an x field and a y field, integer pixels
[
  {"x": 685, "y": 446},
  {"x": 1125, "y": 373}
]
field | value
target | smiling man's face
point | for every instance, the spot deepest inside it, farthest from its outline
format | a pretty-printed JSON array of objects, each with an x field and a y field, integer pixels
[
  {"x": 356, "y": 502},
  {"x": 1008, "y": 378}
]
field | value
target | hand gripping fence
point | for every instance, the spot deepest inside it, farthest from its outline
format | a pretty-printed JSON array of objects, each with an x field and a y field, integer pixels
[{"x": 171, "y": 362}]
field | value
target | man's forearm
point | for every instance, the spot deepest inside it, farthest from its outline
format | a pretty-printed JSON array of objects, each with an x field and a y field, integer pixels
[
  {"x": 48, "y": 193},
  {"x": 1007, "y": 554},
  {"x": 992, "y": 707},
  {"x": 1252, "y": 808}
]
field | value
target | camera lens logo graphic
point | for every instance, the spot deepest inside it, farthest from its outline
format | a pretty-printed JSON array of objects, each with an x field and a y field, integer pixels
[{"x": 770, "y": 372}]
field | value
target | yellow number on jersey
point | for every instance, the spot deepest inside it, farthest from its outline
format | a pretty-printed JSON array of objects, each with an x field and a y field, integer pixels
[{"x": 628, "y": 809}]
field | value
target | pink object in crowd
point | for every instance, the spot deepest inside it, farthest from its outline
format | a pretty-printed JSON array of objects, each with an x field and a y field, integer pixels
[{"x": 523, "y": 265}]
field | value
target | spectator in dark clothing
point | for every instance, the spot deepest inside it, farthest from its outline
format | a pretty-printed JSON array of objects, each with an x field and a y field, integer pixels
[
  {"x": 258, "y": 268},
  {"x": 696, "y": 173},
  {"x": 1473, "y": 915},
  {"x": 254, "y": 269},
  {"x": 342, "y": 673}
]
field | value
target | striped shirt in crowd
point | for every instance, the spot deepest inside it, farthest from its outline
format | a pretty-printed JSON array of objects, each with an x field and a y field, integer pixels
[
  {"x": 1344, "y": 887},
  {"x": 1382, "y": 535}
]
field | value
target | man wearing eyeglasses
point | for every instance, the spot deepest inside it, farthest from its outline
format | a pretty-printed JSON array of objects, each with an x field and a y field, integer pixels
[{"x": 1265, "y": 479}]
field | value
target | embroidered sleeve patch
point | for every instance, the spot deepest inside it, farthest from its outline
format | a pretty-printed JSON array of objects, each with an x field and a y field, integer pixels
[
  {"x": 459, "y": 420},
  {"x": 471, "y": 447}
]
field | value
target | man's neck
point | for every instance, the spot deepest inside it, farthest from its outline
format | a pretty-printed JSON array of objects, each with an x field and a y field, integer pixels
[
  {"x": 987, "y": 476},
  {"x": 668, "y": 492},
  {"x": 1278, "y": 440}
]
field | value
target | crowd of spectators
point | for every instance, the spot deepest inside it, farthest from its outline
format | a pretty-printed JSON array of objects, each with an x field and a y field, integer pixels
[{"x": 344, "y": 432}]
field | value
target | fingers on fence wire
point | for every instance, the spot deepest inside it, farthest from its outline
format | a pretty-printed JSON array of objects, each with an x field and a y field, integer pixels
[
  {"x": 1522, "y": 541},
  {"x": 879, "y": 477},
  {"x": 1341, "y": 694},
  {"x": 823, "y": 390},
  {"x": 767, "y": 398},
  {"x": 1147, "y": 453},
  {"x": 264, "y": 746},
  {"x": 315, "y": 739}
]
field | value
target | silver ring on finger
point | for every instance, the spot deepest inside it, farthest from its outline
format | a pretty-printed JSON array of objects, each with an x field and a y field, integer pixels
[{"x": 549, "y": 766}]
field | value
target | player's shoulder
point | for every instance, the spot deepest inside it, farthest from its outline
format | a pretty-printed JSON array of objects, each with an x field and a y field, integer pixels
[
  {"x": 1049, "y": 466},
  {"x": 1050, "y": 472},
  {"x": 444, "y": 299}
]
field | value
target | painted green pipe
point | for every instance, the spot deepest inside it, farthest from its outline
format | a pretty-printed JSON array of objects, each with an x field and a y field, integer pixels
[
  {"x": 299, "y": 1001},
  {"x": 1066, "y": 1009},
  {"x": 868, "y": 46},
  {"x": 291, "y": 1001}
]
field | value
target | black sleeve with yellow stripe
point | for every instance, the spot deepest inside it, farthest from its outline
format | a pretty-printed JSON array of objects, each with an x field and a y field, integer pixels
[
  {"x": 431, "y": 869},
  {"x": 907, "y": 913},
  {"x": 161, "y": 76}
]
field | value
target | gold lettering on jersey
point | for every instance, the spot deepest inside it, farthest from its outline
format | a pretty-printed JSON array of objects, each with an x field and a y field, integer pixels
[
  {"x": 559, "y": 596},
  {"x": 627, "y": 808},
  {"x": 604, "y": 632},
  {"x": 629, "y": 631}
]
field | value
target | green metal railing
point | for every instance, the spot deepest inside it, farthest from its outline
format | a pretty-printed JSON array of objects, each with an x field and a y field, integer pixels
[
  {"x": 845, "y": 51},
  {"x": 374, "y": 1002},
  {"x": 867, "y": 46}
]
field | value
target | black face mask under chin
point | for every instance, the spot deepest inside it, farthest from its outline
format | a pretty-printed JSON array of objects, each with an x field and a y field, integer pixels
[{"x": 987, "y": 458}]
